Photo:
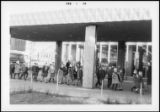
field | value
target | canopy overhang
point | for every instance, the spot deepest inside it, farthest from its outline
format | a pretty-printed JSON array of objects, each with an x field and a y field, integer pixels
[
  {"x": 113, "y": 24},
  {"x": 106, "y": 31}
]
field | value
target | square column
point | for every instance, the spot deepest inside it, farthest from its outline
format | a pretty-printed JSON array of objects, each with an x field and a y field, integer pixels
[
  {"x": 129, "y": 60},
  {"x": 89, "y": 56},
  {"x": 121, "y": 54},
  {"x": 58, "y": 55}
]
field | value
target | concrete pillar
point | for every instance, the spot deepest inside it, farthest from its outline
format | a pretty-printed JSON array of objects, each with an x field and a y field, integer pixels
[
  {"x": 121, "y": 54},
  {"x": 129, "y": 62},
  {"x": 89, "y": 56},
  {"x": 141, "y": 52},
  {"x": 58, "y": 55}
]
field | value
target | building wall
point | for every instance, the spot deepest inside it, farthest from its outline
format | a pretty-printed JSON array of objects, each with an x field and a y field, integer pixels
[
  {"x": 17, "y": 44},
  {"x": 17, "y": 47}
]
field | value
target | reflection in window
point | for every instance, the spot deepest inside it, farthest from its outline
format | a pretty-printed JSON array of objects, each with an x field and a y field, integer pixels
[
  {"x": 105, "y": 54},
  {"x": 114, "y": 55}
]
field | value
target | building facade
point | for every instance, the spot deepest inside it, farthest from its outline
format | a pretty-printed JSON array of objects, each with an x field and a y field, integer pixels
[{"x": 121, "y": 37}]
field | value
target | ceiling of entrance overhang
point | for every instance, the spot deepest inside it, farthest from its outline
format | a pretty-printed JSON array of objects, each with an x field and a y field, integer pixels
[
  {"x": 106, "y": 31},
  {"x": 79, "y": 15}
]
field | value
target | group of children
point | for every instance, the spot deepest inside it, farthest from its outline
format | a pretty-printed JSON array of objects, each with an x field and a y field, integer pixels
[
  {"x": 68, "y": 74},
  {"x": 138, "y": 81},
  {"x": 115, "y": 76},
  {"x": 117, "y": 79}
]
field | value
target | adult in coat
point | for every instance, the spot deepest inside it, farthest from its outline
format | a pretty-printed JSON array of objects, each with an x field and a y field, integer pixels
[{"x": 100, "y": 75}]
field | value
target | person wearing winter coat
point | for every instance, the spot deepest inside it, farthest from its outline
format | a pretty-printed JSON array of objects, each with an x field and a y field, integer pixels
[
  {"x": 12, "y": 68},
  {"x": 138, "y": 80},
  {"x": 24, "y": 71},
  {"x": 100, "y": 75},
  {"x": 149, "y": 74},
  {"x": 35, "y": 70},
  {"x": 109, "y": 72},
  {"x": 45, "y": 71},
  {"x": 17, "y": 69},
  {"x": 40, "y": 75},
  {"x": 79, "y": 75},
  {"x": 69, "y": 76},
  {"x": 51, "y": 73},
  {"x": 135, "y": 79},
  {"x": 115, "y": 80},
  {"x": 120, "y": 77},
  {"x": 60, "y": 76}
]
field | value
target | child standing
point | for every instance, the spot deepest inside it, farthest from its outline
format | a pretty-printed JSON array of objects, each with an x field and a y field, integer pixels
[{"x": 115, "y": 80}]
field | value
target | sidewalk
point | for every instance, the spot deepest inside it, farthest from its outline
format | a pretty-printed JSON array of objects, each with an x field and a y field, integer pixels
[{"x": 18, "y": 85}]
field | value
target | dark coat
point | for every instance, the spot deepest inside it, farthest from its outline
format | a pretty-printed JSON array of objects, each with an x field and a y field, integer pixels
[
  {"x": 79, "y": 74},
  {"x": 100, "y": 74},
  {"x": 68, "y": 64},
  {"x": 109, "y": 72},
  {"x": 149, "y": 77},
  {"x": 24, "y": 69},
  {"x": 35, "y": 69},
  {"x": 12, "y": 67},
  {"x": 45, "y": 69}
]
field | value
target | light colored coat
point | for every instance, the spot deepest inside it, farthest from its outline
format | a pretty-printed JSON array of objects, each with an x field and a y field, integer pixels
[
  {"x": 17, "y": 68},
  {"x": 40, "y": 77},
  {"x": 115, "y": 79},
  {"x": 60, "y": 76}
]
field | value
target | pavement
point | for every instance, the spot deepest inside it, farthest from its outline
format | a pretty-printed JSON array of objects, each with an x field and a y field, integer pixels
[{"x": 74, "y": 91}]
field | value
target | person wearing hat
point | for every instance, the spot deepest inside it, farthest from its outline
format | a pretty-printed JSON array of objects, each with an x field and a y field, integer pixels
[
  {"x": 35, "y": 70},
  {"x": 17, "y": 69},
  {"x": 115, "y": 80},
  {"x": 100, "y": 72}
]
